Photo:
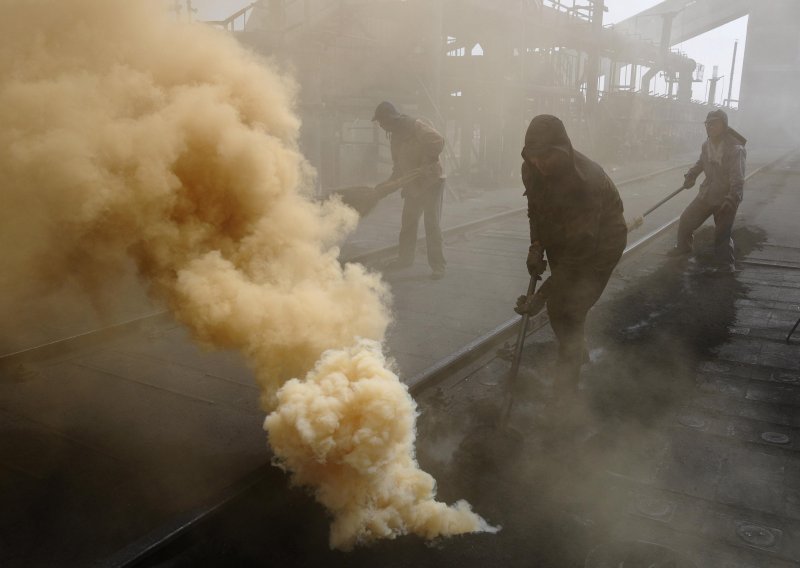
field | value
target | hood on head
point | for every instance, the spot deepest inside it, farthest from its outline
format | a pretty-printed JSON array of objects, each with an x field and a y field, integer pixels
[
  {"x": 545, "y": 132},
  {"x": 385, "y": 111},
  {"x": 718, "y": 114},
  {"x": 737, "y": 138}
]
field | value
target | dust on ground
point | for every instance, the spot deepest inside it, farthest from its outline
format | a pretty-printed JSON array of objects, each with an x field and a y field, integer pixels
[{"x": 551, "y": 480}]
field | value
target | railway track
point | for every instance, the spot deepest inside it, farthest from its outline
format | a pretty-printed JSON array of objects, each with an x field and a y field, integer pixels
[
  {"x": 382, "y": 253},
  {"x": 157, "y": 548},
  {"x": 374, "y": 256}
]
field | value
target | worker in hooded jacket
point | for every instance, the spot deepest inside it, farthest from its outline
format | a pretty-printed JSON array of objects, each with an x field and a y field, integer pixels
[
  {"x": 722, "y": 160},
  {"x": 576, "y": 221},
  {"x": 415, "y": 147}
]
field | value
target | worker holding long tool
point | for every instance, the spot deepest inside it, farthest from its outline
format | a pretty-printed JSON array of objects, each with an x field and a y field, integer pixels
[
  {"x": 415, "y": 147},
  {"x": 722, "y": 159},
  {"x": 576, "y": 220}
]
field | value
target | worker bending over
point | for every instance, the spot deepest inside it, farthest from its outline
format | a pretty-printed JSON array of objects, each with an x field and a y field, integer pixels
[
  {"x": 576, "y": 220},
  {"x": 415, "y": 147}
]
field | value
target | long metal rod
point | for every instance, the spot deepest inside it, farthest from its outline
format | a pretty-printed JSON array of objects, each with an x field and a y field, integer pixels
[
  {"x": 663, "y": 201},
  {"x": 523, "y": 328},
  {"x": 515, "y": 362}
]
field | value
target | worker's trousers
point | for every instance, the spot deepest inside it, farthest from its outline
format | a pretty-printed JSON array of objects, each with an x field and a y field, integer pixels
[
  {"x": 428, "y": 203},
  {"x": 567, "y": 307},
  {"x": 695, "y": 215}
]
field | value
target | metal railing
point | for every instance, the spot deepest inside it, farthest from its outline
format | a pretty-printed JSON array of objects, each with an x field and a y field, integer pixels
[
  {"x": 579, "y": 11},
  {"x": 230, "y": 22}
]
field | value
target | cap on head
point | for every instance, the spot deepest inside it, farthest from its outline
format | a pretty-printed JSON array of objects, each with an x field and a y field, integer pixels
[
  {"x": 384, "y": 111},
  {"x": 717, "y": 114}
]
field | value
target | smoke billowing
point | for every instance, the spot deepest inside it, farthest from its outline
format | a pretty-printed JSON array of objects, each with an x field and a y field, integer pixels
[
  {"x": 348, "y": 428},
  {"x": 126, "y": 135}
]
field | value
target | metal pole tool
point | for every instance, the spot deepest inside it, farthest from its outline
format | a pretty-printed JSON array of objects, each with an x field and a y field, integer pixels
[
  {"x": 514, "y": 371},
  {"x": 637, "y": 222}
]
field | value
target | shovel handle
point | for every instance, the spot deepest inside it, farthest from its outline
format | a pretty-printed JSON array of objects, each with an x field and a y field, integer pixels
[
  {"x": 663, "y": 201},
  {"x": 514, "y": 371},
  {"x": 638, "y": 221},
  {"x": 390, "y": 186},
  {"x": 523, "y": 328}
]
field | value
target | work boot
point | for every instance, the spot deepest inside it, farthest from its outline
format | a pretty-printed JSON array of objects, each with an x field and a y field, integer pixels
[
  {"x": 721, "y": 269},
  {"x": 679, "y": 252}
]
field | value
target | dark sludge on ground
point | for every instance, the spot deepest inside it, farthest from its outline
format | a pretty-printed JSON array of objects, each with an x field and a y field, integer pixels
[{"x": 549, "y": 489}]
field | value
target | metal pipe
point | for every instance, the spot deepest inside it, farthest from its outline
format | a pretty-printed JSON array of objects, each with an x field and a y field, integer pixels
[
  {"x": 733, "y": 67},
  {"x": 514, "y": 371}
]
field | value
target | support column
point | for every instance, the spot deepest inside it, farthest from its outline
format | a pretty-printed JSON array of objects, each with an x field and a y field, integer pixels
[
  {"x": 593, "y": 64},
  {"x": 769, "y": 98},
  {"x": 685, "y": 82},
  {"x": 430, "y": 48}
]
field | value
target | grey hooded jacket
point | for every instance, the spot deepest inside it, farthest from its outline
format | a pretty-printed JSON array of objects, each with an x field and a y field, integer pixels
[{"x": 723, "y": 179}]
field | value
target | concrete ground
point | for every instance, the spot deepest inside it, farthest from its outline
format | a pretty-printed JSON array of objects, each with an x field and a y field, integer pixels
[
  {"x": 106, "y": 437},
  {"x": 681, "y": 448}
]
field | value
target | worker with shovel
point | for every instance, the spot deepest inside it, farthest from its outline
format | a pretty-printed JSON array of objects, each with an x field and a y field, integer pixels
[
  {"x": 722, "y": 160},
  {"x": 576, "y": 219},
  {"x": 415, "y": 147}
]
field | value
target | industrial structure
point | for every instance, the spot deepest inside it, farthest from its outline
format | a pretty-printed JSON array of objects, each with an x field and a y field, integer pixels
[
  {"x": 772, "y": 57},
  {"x": 125, "y": 443},
  {"x": 480, "y": 70}
]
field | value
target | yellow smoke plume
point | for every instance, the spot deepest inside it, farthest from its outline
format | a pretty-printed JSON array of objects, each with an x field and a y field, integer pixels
[
  {"x": 124, "y": 134},
  {"x": 348, "y": 430}
]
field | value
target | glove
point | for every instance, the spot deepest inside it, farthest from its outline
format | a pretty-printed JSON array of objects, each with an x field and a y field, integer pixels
[
  {"x": 635, "y": 223},
  {"x": 536, "y": 262},
  {"x": 688, "y": 182},
  {"x": 530, "y": 306}
]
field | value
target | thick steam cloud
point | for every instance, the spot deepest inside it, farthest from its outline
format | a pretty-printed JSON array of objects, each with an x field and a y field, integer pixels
[
  {"x": 348, "y": 430},
  {"x": 127, "y": 135},
  {"x": 124, "y": 133}
]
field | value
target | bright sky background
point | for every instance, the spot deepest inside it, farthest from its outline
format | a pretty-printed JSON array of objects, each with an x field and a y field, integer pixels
[
  {"x": 710, "y": 49},
  {"x": 217, "y": 9}
]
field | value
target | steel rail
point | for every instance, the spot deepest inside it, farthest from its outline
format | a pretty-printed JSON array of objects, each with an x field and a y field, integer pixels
[
  {"x": 376, "y": 254},
  {"x": 479, "y": 346},
  {"x": 138, "y": 552},
  {"x": 88, "y": 338}
]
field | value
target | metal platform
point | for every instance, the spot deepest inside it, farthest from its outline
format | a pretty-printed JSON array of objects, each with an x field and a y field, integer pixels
[{"x": 105, "y": 439}]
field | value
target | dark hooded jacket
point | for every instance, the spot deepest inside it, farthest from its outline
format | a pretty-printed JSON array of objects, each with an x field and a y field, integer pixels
[
  {"x": 416, "y": 144},
  {"x": 577, "y": 217},
  {"x": 725, "y": 178}
]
